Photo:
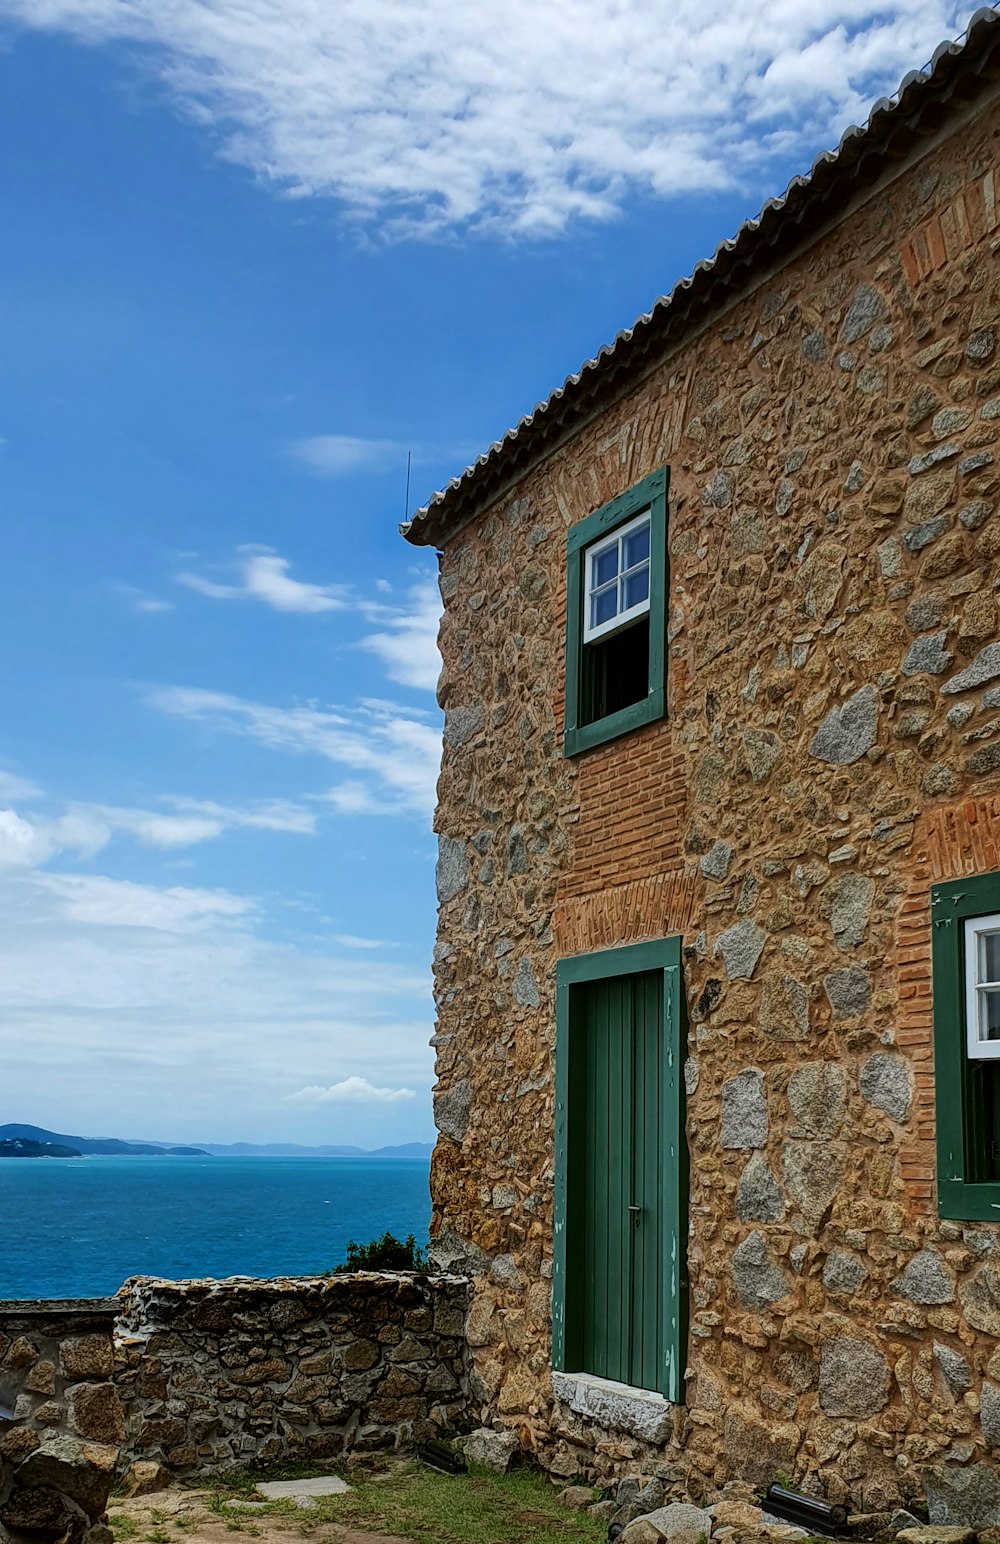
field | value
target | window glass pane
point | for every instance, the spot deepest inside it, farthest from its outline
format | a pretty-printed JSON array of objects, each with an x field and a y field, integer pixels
[
  {"x": 636, "y": 547},
  {"x": 605, "y": 566},
  {"x": 604, "y": 605},
  {"x": 989, "y": 1015},
  {"x": 989, "y": 957},
  {"x": 636, "y": 588}
]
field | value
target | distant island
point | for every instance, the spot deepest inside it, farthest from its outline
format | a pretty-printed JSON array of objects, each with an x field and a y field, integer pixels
[
  {"x": 17, "y": 1141},
  {"x": 35, "y": 1142},
  {"x": 23, "y": 1147}
]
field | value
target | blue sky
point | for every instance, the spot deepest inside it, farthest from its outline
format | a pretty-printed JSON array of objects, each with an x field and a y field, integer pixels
[{"x": 253, "y": 252}]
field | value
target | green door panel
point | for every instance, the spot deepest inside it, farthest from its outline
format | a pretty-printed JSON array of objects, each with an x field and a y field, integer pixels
[{"x": 618, "y": 1291}]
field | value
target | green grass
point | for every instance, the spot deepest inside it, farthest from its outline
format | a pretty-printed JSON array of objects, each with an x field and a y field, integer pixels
[
  {"x": 477, "y": 1508},
  {"x": 123, "y": 1527},
  {"x": 429, "y": 1508}
]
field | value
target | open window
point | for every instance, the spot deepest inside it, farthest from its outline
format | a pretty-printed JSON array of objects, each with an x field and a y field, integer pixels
[{"x": 616, "y": 610}]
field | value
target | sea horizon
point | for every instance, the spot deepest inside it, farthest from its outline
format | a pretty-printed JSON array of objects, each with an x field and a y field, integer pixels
[{"x": 81, "y": 1227}]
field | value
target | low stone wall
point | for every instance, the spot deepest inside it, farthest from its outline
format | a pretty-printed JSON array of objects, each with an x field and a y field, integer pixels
[
  {"x": 61, "y": 1422},
  {"x": 214, "y": 1374}
]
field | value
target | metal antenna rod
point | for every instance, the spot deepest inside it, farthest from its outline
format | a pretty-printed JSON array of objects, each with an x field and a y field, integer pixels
[{"x": 406, "y": 506}]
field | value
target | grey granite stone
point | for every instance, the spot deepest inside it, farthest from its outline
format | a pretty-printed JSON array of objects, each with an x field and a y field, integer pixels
[
  {"x": 452, "y": 872},
  {"x": 744, "y": 1111},
  {"x": 758, "y": 1196},
  {"x": 866, "y": 309},
  {"x": 925, "y": 1279},
  {"x": 849, "y": 991},
  {"x": 853, "y": 1378},
  {"x": 848, "y": 731},
  {"x": 985, "y": 667},
  {"x": 886, "y": 1083},
  {"x": 928, "y": 656},
  {"x": 741, "y": 946}
]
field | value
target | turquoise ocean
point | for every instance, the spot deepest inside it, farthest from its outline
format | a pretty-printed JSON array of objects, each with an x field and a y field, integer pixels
[{"x": 79, "y": 1227}]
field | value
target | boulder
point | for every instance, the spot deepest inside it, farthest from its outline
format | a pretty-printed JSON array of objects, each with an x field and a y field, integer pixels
[
  {"x": 495, "y": 1450},
  {"x": 576, "y": 1497},
  {"x": 935, "y": 1535},
  {"x": 144, "y": 1477},
  {"x": 84, "y": 1471},
  {"x": 680, "y": 1523},
  {"x": 963, "y": 1496}
]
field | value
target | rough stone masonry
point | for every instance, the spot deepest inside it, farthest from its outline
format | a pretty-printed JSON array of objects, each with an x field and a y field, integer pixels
[
  {"x": 217, "y": 1374},
  {"x": 831, "y": 746},
  {"x": 61, "y": 1421}
]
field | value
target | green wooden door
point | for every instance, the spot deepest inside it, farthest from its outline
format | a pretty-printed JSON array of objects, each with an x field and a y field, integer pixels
[
  {"x": 616, "y": 1171},
  {"x": 619, "y": 1180}
]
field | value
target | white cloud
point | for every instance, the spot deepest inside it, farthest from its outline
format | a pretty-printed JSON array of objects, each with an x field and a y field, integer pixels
[
  {"x": 395, "y": 750},
  {"x": 350, "y": 1091},
  {"x": 166, "y": 1007},
  {"x": 13, "y": 787},
  {"x": 352, "y": 941},
  {"x": 331, "y": 455},
  {"x": 264, "y": 576},
  {"x": 98, "y": 901},
  {"x": 434, "y": 115},
  {"x": 28, "y": 841},
  {"x": 141, "y": 603},
  {"x": 407, "y": 641}
]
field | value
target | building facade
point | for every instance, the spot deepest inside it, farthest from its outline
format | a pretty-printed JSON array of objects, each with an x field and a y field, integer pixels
[{"x": 718, "y": 962}]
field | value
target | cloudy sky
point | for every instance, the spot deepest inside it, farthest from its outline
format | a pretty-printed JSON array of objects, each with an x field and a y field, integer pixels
[{"x": 254, "y": 252}]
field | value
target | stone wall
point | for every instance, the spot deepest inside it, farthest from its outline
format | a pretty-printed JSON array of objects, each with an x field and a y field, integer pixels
[
  {"x": 214, "y": 1374},
  {"x": 832, "y": 745},
  {"x": 60, "y": 1420}
]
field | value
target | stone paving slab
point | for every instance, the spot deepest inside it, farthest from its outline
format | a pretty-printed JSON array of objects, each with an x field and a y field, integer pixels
[{"x": 292, "y": 1490}]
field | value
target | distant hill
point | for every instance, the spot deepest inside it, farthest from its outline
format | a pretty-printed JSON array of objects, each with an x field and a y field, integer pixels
[
  {"x": 77, "y": 1147},
  {"x": 23, "y": 1147},
  {"x": 296, "y": 1150}
]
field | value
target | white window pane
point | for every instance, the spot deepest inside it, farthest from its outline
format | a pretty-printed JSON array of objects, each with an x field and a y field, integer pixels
[
  {"x": 989, "y": 1014},
  {"x": 636, "y": 589},
  {"x": 636, "y": 547},
  {"x": 605, "y": 566},
  {"x": 989, "y": 957},
  {"x": 604, "y": 605}
]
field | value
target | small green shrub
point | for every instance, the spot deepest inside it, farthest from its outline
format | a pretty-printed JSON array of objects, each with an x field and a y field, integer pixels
[{"x": 384, "y": 1254}]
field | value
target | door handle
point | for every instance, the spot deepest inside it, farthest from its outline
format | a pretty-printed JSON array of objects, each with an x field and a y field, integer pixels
[{"x": 636, "y": 1212}]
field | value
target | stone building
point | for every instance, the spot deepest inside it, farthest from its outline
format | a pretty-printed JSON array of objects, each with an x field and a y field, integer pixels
[{"x": 719, "y": 877}]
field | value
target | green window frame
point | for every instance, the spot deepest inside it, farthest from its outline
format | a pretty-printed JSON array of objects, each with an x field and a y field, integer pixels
[
  {"x": 967, "y": 1111},
  {"x": 664, "y": 955},
  {"x": 651, "y": 493}
]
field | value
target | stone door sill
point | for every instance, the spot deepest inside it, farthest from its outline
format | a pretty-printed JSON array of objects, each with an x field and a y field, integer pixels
[{"x": 641, "y": 1413}]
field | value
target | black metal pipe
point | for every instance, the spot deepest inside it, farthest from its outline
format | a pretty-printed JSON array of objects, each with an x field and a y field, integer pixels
[{"x": 807, "y": 1511}]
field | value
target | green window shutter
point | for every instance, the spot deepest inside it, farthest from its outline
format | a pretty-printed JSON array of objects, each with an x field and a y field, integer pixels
[
  {"x": 967, "y": 1093},
  {"x": 579, "y": 734}
]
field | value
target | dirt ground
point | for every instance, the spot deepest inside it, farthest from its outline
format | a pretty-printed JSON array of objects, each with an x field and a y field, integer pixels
[
  {"x": 390, "y": 1501},
  {"x": 182, "y": 1516}
]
